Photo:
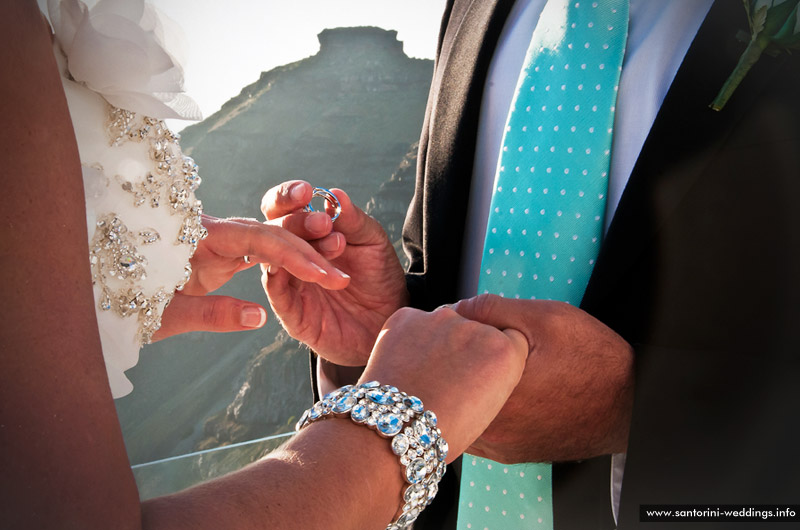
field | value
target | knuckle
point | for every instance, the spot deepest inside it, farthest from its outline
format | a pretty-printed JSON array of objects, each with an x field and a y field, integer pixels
[
  {"x": 253, "y": 233},
  {"x": 443, "y": 313},
  {"x": 473, "y": 329},
  {"x": 216, "y": 313},
  {"x": 292, "y": 222},
  {"x": 268, "y": 201},
  {"x": 482, "y": 306},
  {"x": 405, "y": 313},
  {"x": 276, "y": 197},
  {"x": 405, "y": 316}
]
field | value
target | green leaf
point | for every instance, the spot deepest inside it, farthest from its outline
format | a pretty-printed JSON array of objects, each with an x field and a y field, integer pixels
[
  {"x": 777, "y": 14},
  {"x": 789, "y": 34},
  {"x": 758, "y": 21}
]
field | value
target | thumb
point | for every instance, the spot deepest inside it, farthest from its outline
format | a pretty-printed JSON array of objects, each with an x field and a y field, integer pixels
[
  {"x": 209, "y": 313},
  {"x": 519, "y": 341}
]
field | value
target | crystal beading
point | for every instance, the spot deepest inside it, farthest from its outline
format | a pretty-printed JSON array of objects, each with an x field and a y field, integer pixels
[
  {"x": 117, "y": 265},
  {"x": 115, "y": 260},
  {"x": 175, "y": 178},
  {"x": 415, "y": 437}
]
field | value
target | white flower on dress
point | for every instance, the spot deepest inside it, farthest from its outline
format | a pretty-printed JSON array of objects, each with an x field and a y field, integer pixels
[{"x": 118, "y": 48}]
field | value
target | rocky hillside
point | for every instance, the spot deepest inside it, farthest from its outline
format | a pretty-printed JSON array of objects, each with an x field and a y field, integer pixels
[
  {"x": 347, "y": 117},
  {"x": 344, "y": 117}
]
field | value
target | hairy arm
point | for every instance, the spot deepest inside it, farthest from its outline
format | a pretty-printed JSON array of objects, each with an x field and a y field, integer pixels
[{"x": 575, "y": 397}]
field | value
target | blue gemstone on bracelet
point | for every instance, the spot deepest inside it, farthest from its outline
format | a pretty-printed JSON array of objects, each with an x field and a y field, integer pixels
[
  {"x": 423, "y": 434},
  {"x": 360, "y": 413},
  {"x": 431, "y": 417},
  {"x": 316, "y": 411},
  {"x": 414, "y": 403},
  {"x": 389, "y": 424},
  {"x": 379, "y": 397},
  {"x": 370, "y": 384},
  {"x": 344, "y": 404}
]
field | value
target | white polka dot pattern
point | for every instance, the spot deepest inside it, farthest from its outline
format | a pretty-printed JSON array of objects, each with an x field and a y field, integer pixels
[{"x": 546, "y": 218}]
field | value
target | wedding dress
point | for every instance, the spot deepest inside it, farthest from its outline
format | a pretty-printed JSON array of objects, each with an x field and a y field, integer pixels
[{"x": 143, "y": 218}]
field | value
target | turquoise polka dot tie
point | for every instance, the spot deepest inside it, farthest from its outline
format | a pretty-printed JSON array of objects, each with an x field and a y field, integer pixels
[{"x": 547, "y": 211}]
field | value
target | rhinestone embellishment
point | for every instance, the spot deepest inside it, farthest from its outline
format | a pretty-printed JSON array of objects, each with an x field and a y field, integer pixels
[
  {"x": 400, "y": 444},
  {"x": 415, "y": 437},
  {"x": 115, "y": 259},
  {"x": 118, "y": 266},
  {"x": 389, "y": 424}
]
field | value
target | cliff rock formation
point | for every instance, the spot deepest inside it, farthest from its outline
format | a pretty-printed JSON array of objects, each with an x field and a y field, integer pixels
[{"x": 347, "y": 117}]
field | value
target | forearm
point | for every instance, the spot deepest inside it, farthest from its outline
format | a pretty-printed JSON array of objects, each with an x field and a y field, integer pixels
[
  {"x": 568, "y": 421},
  {"x": 333, "y": 474},
  {"x": 65, "y": 464},
  {"x": 575, "y": 397}
]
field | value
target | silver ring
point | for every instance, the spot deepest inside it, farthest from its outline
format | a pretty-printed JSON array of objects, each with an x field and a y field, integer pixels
[
  {"x": 246, "y": 259},
  {"x": 328, "y": 196}
]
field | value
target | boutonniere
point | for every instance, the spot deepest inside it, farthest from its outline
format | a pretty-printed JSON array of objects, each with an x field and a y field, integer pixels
[{"x": 774, "y": 27}]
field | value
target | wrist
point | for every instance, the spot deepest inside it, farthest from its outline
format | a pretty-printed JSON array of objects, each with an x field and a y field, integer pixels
[
  {"x": 336, "y": 454},
  {"x": 410, "y": 430}
]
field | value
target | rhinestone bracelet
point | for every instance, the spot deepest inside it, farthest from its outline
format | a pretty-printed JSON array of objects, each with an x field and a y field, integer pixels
[{"x": 412, "y": 430}]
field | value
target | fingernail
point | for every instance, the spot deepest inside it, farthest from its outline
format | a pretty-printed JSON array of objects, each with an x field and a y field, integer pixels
[
  {"x": 320, "y": 269},
  {"x": 253, "y": 317},
  {"x": 330, "y": 244},
  {"x": 317, "y": 222},
  {"x": 297, "y": 191}
]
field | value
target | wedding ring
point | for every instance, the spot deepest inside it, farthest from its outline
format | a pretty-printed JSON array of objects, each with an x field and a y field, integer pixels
[{"x": 328, "y": 196}]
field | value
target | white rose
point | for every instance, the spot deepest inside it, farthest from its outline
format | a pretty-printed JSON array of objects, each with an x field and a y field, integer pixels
[{"x": 118, "y": 49}]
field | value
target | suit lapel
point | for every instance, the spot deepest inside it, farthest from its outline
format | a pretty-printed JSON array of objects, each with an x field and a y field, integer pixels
[
  {"x": 466, "y": 51},
  {"x": 679, "y": 149},
  {"x": 447, "y": 147}
]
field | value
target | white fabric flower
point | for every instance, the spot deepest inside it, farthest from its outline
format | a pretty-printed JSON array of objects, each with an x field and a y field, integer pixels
[{"x": 118, "y": 49}]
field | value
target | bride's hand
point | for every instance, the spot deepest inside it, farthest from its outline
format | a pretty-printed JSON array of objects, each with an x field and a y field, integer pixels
[
  {"x": 220, "y": 256},
  {"x": 342, "y": 325}
]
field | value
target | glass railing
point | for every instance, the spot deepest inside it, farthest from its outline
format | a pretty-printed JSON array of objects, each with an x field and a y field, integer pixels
[{"x": 169, "y": 475}]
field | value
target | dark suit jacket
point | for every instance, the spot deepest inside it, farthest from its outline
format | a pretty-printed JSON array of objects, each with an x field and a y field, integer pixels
[{"x": 700, "y": 271}]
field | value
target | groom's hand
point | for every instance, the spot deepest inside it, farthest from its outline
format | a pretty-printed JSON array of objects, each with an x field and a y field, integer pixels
[
  {"x": 575, "y": 396},
  {"x": 341, "y": 325}
]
